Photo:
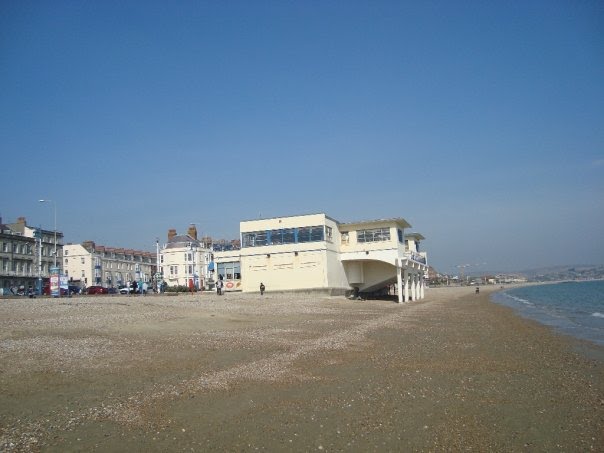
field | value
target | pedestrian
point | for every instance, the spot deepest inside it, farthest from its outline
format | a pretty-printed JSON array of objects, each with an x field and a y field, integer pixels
[
  {"x": 477, "y": 290},
  {"x": 145, "y": 287},
  {"x": 262, "y": 288},
  {"x": 219, "y": 287},
  {"x": 133, "y": 287}
]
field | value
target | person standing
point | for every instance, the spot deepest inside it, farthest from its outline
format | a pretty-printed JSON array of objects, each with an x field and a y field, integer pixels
[
  {"x": 133, "y": 287},
  {"x": 262, "y": 288}
]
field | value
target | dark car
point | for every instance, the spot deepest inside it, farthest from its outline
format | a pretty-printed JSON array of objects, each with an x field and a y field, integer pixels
[
  {"x": 96, "y": 290},
  {"x": 111, "y": 290}
]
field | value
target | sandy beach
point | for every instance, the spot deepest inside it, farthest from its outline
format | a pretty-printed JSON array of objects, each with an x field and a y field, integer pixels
[{"x": 292, "y": 373}]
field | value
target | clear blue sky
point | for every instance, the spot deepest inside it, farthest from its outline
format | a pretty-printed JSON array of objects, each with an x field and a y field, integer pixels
[{"x": 481, "y": 123}]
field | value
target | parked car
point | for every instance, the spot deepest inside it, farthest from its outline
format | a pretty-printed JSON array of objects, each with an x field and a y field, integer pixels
[
  {"x": 74, "y": 289},
  {"x": 112, "y": 290},
  {"x": 96, "y": 290},
  {"x": 125, "y": 290}
]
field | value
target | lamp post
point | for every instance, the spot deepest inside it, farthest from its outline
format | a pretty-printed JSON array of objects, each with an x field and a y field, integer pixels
[
  {"x": 39, "y": 245},
  {"x": 158, "y": 268},
  {"x": 194, "y": 251},
  {"x": 197, "y": 280},
  {"x": 55, "y": 212}
]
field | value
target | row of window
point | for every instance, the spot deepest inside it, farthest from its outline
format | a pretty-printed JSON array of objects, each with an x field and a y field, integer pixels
[
  {"x": 373, "y": 235},
  {"x": 189, "y": 269},
  {"x": 109, "y": 264},
  {"x": 286, "y": 236},
  {"x": 121, "y": 256},
  {"x": 312, "y": 234},
  {"x": 18, "y": 266},
  {"x": 25, "y": 249},
  {"x": 109, "y": 277}
]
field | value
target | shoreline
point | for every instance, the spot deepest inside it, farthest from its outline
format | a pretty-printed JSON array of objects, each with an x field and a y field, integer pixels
[
  {"x": 238, "y": 372},
  {"x": 562, "y": 326}
]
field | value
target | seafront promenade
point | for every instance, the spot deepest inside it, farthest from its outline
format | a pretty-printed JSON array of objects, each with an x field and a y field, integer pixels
[{"x": 296, "y": 373}]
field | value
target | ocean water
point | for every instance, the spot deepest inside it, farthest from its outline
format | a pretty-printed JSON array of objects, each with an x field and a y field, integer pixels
[{"x": 573, "y": 308}]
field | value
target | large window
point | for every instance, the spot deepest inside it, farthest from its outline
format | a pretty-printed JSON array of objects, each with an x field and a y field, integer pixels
[
  {"x": 374, "y": 235},
  {"x": 310, "y": 234},
  {"x": 289, "y": 236},
  {"x": 255, "y": 239},
  {"x": 275, "y": 237},
  {"x": 284, "y": 236},
  {"x": 230, "y": 270}
]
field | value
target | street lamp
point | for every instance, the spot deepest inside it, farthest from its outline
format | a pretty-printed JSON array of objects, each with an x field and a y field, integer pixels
[
  {"x": 55, "y": 212},
  {"x": 197, "y": 277},
  {"x": 158, "y": 268}
]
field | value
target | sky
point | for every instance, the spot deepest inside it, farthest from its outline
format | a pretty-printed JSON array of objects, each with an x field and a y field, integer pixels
[{"x": 479, "y": 122}]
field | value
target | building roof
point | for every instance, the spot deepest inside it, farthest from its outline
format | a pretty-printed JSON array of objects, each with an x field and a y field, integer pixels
[
  {"x": 182, "y": 240},
  {"x": 398, "y": 220},
  {"x": 289, "y": 216},
  {"x": 416, "y": 236},
  {"x": 90, "y": 246}
]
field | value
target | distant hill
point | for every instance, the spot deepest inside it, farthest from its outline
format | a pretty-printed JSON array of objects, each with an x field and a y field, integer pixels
[{"x": 568, "y": 272}]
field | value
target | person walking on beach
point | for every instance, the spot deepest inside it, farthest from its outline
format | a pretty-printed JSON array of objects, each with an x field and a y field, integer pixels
[
  {"x": 133, "y": 287},
  {"x": 477, "y": 290},
  {"x": 262, "y": 288},
  {"x": 219, "y": 287}
]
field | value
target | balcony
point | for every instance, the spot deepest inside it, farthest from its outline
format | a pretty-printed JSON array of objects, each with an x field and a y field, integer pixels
[{"x": 417, "y": 257}]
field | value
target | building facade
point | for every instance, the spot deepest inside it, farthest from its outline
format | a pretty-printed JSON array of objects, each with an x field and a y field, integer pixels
[
  {"x": 89, "y": 264},
  {"x": 185, "y": 260},
  {"x": 27, "y": 256},
  {"x": 317, "y": 253}
]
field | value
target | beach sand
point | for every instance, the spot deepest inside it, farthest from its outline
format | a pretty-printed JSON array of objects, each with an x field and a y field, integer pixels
[{"x": 296, "y": 373}]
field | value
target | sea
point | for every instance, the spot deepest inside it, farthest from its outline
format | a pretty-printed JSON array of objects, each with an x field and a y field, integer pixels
[{"x": 574, "y": 308}]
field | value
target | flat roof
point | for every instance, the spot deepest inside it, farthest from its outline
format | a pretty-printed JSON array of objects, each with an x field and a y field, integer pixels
[
  {"x": 398, "y": 220},
  {"x": 291, "y": 215}
]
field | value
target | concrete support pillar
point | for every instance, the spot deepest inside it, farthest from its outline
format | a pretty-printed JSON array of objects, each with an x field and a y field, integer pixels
[
  {"x": 416, "y": 281},
  {"x": 422, "y": 285},
  {"x": 399, "y": 283},
  {"x": 405, "y": 286},
  {"x": 414, "y": 286}
]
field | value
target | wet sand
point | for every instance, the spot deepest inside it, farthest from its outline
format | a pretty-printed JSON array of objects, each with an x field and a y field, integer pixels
[{"x": 295, "y": 373}]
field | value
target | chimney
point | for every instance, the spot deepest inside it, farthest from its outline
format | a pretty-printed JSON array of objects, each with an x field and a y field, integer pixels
[
  {"x": 89, "y": 245},
  {"x": 192, "y": 232},
  {"x": 171, "y": 233},
  {"x": 22, "y": 221}
]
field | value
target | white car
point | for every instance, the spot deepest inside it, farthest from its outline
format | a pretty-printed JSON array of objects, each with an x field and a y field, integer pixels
[{"x": 125, "y": 290}]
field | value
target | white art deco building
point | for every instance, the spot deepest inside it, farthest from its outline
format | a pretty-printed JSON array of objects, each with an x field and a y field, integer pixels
[{"x": 317, "y": 253}]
